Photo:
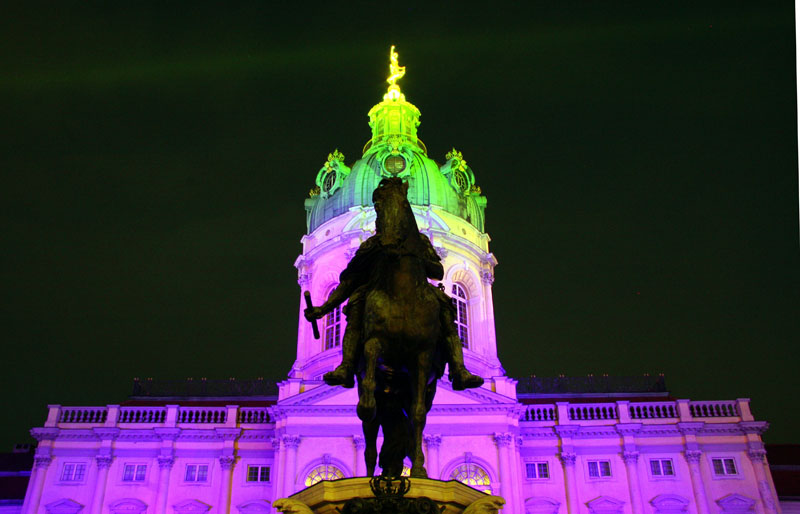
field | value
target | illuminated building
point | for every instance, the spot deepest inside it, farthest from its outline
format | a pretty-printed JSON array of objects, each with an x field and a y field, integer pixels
[{"x": 600, "y": 447}]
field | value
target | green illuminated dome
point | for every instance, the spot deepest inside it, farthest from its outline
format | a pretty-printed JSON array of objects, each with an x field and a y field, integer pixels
[{"x": 395, "y": 151}]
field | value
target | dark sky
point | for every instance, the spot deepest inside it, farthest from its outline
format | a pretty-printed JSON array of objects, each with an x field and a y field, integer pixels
[{"x": 640, "y": 165}]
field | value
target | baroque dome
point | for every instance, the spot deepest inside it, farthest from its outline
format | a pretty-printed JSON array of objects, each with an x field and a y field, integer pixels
[{"x": 395, "y": 151}]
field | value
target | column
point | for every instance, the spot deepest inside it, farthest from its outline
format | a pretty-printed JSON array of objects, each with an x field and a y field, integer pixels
[
  {"x": 503, "y": 442},
  {"x": 103, "y": 464},
  {"x": 631, "y": 459},
  {"x": 277, "y": 469},
  {"x": 359, "y": 464},
  {"x": 759, "y": 463},
  {"x": 164, "y": 468},
  {"x": 36, "y": 484},
  {"x": 290, "y": 444},
  {"x": 693, "y": 458},
  {"x": 432, "y": 443},
  {"x": 568, "y": 461},
  {"x": 226, "y": 463}
]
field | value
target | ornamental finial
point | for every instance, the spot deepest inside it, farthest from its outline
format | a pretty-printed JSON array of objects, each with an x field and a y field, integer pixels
[{"x": 396, "y": 72}]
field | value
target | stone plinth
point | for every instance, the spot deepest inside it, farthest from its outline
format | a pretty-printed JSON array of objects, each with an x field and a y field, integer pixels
[{"x": 326, "y": 496}]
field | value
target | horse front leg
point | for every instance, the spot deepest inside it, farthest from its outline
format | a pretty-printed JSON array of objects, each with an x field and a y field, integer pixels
[
  {"x": 419, "y": 413},
  {"x": 371, "y": 449},
  {"x": 366, "y": 399}
]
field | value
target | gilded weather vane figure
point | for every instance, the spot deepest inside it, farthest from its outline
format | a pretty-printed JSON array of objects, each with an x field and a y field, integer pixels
[{"x": 396, "y": 72}]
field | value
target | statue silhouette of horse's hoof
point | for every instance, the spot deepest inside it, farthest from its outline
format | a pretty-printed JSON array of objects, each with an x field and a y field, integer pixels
[
  {"x": 366, "y": 409},
  {"x": 340, "y": 377},
  {"x": 465, "y": 380}
]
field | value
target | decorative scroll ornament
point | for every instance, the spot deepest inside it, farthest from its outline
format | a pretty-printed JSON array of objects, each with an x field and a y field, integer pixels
[
  {"x": 335, "y": 156},
  {"x": 314, "y": 191},
  {"x": 461, "y": 164},
  {"x": 394, "y": 144},
  {"x": 396, "y": 72}
]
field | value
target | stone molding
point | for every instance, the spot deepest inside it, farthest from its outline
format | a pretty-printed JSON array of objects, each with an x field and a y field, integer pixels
[
  {"x": 693, "y": 456},
  {"x": 106, "y": 434},
  {"x": 167, "y": 434},
  {"x": 624, "y": 429},
  {"x": 228, "y": 434},
  {"x": 630, "y": 457},
  {"x": 44, "y": 434},
  {"x": 567, "y": 458},
  {"x": 104, "y": 461}
]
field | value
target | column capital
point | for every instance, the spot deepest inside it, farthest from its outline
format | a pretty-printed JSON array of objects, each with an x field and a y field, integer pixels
[
  {"x": 104, "y": 461},
  {"x": 757, "y": 455},
  {"x": 226, "y": 462},
  {"x": 630, "y": 457},
  {"x": 503, "y": 439},
  {"x": 359, "y": 442},
  {"x": 276, "y": 444},
  {"x": 567, "y": 458},
  {"x": 291, "y": 441},
  {"x": 165, "y": 461},
  {"x": 693, "y": 456},
  {"x": 433, "y": 440},
  {"x": 42, "y": 461}
]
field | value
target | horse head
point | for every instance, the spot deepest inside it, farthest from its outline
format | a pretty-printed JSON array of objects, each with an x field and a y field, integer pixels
[{"x": 395, "y": 222}]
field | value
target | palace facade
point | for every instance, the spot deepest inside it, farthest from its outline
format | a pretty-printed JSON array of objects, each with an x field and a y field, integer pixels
[{"x": 562, "y": 446}]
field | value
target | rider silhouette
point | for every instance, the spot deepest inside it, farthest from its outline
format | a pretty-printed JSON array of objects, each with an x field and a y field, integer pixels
[{"x": 353, "y": 282}]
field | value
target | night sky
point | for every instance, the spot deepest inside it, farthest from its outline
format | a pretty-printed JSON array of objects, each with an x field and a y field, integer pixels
[{"x": 640, "y": 165}]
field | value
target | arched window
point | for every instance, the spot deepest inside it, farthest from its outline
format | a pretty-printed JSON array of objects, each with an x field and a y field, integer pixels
[
  {"x": 333, "y": 328},
  {"x": 323, "y": 472},
  {"x": 474, "y": 476},
  {"x": 460, "y": 299}
]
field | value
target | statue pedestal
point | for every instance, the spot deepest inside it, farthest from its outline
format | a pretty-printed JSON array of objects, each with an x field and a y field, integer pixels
[{"x": 327, "y": 497}]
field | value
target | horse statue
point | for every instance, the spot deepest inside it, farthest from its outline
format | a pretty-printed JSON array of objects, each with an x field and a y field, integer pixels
[{"x": 400, "y": 332}]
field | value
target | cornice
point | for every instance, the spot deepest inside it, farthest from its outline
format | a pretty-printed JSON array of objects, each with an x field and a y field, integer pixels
[
  {"x": 257, "y": 435},
  {"x": 44, "y": 434},
  {"x": 585, "y": 432},
  {"x": 753, "y": 427},
  {"x": 538, "y": 433}
]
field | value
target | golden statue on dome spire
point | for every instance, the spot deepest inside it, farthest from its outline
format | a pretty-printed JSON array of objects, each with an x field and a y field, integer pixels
[{"x": 396, "y": 72}]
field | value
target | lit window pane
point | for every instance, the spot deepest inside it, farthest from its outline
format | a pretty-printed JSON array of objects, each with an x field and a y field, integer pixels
[
  {"x": 80, "y": 470},
  {"x": 140, "y": 472},
  {"x": 190, "y": 473},
  {"x": 264, "y": 474},
  {"x": 202, "y": 473},
  {"x": 252, "y": 473},
  {"x": 730, "y": 467},
  {"x": 127, "y": 472},
  {"x": 605, "y": 468},
  {"x": 544, "y": 472},
  {"x": 667, "y": 465},
  {"x": 66, "y": 473},
  {"x": 593, "y": 470},
  {"x": 718, "y": 469},
  {"x": 324, "y": 472},
  {"x": 530, "y": 470},
  {"x": 655, "y": 467},
  {"x": 473, "y": 476}
]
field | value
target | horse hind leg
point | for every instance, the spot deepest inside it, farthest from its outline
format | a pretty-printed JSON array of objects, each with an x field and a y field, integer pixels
[
  {"x": 371, "y": 446},
  {"x": 366, "y": 389}
]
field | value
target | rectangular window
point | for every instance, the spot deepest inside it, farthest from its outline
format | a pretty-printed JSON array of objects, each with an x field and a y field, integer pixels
[
  {"x": 196, "y": 473},
  {"x": 599, "y": 468},
  {"x": 134, "y": 472},
  {"x": 661, "y": 468},
  {"x": 537, "y": 470},
  {"x": 258, "y": 473},
  {"x": 724, "y": 467},
  {"x": 73, "y": 472}
]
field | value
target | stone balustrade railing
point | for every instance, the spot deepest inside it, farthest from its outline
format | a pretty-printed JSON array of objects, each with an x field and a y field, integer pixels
[
  {"x": 626, "y": 412},
  {"x": 542, "y": 414}
]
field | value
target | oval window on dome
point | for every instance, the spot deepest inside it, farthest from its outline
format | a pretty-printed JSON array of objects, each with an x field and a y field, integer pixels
[
  {"x": 328, "y": 183},
  {"x": 461, "y": 180},
  {"x": 394, "y": 164}
]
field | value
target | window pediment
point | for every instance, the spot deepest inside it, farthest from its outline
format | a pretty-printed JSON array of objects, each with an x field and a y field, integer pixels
[
  {"x": 63, "y": 506},
  {"x": 191, "y": 507},
  {"x": 128, "y": 506}
]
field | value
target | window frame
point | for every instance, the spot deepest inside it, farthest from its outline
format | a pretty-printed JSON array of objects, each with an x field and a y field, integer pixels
[
  {"x": 536, "y": 464},
  {"x": 725, "y": 476},
  {"x": 338, "y": 326},
  {"x": 206, "y": 482},
  {"x": 480, "y": 487},
  {"x": 326, "y": 465},
  {"x": 72, "y": 481},
  {"x": 600, "y": 476},
  {"x": 661, "y": 461},
  {"x": 136, "y": 465},
  {"x": 247, "y": 480},
  {"x": 461, "y": 303}
]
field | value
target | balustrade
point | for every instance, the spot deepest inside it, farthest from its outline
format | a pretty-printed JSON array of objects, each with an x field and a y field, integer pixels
[
  {"x": 142, "y": 414},
  {"x": 592, "y": 411},
  {"x": 202, "y": 414},
  {"x": 253, "y": 415},
  {"x": 539, "y": 413},
  {"x": 723, "y": 409},
  {"x": 83, "y": 415},
  {"x": 653, "y": 410}
]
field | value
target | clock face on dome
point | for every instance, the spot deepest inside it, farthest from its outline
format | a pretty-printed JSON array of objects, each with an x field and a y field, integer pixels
[
  {"x": 394, "y": 164},
  {"x": 329, "y": 182}
]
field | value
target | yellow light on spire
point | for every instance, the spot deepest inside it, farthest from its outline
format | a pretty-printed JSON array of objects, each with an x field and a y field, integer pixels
[{"x": 396, "y": 72}]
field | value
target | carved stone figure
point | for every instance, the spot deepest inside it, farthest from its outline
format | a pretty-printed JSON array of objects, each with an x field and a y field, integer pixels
[
  {"x": 289, "y": 506},
  {"x": 488, "y": 505},
  {"x": 400, "y": 332}
]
